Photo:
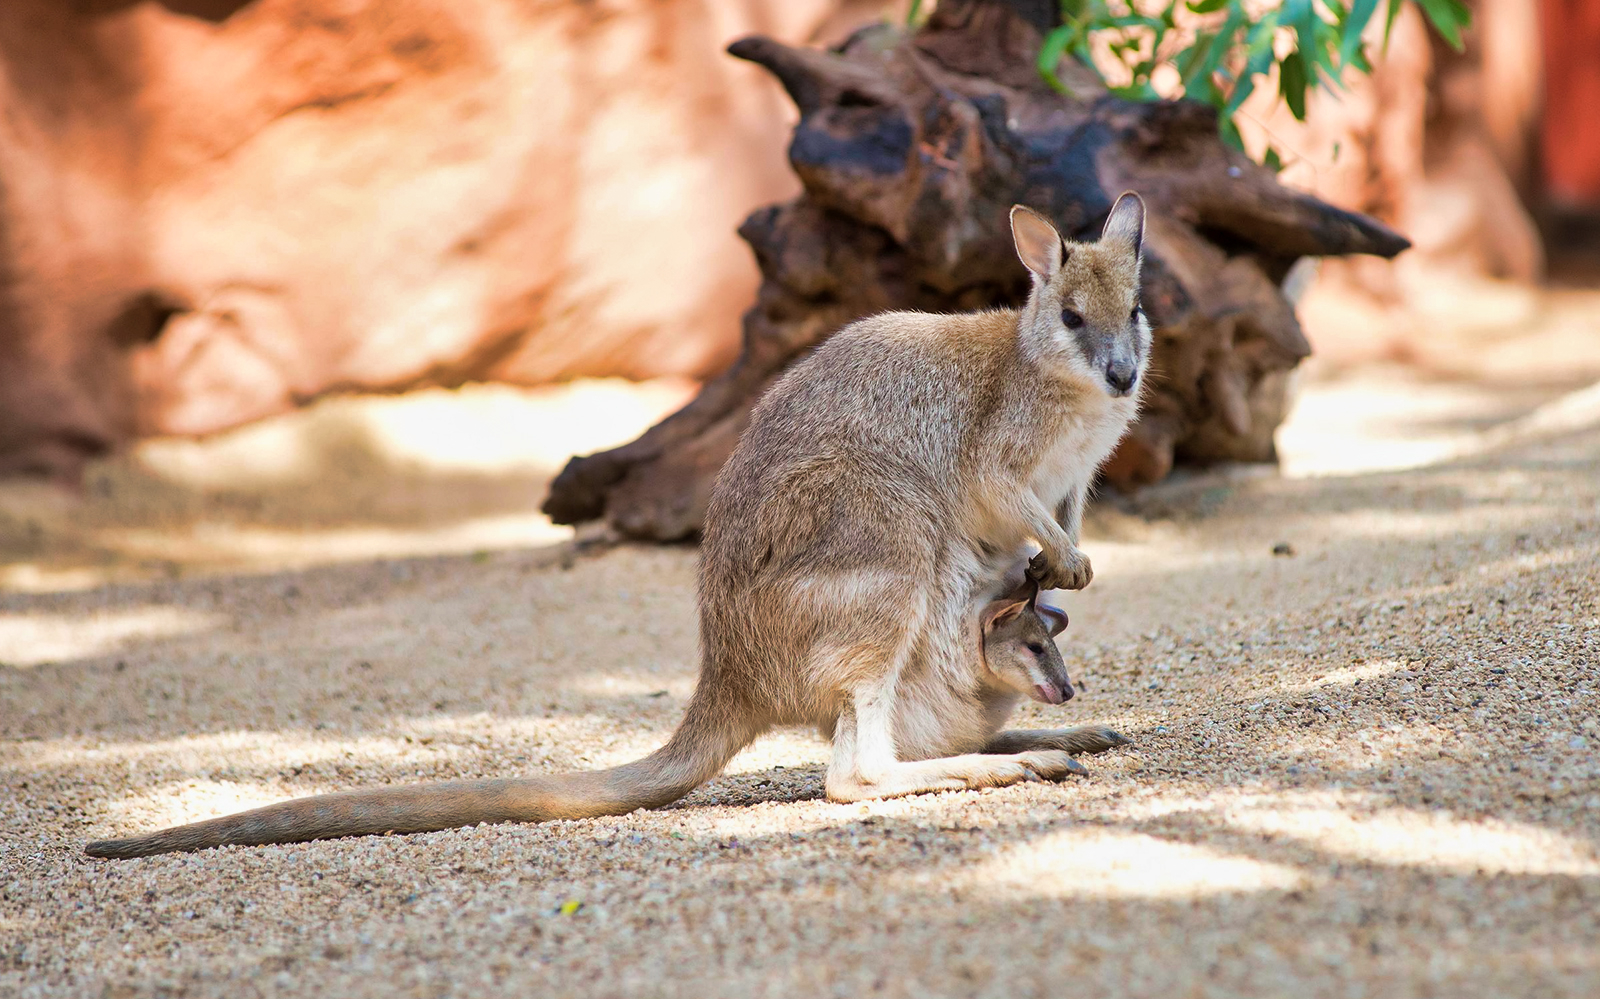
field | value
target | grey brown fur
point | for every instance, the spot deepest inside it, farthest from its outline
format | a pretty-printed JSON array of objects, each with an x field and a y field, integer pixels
[{"x": 862, "y": 545}]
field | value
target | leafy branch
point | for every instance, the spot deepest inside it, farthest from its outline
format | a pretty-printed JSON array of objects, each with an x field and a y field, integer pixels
[{"x": 1220, "y": 51}]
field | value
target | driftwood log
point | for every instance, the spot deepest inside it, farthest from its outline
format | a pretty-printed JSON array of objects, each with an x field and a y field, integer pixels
[{"x": 911, "y": 149}]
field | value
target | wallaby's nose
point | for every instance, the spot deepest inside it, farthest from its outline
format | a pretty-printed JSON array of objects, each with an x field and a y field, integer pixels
[{"x": 1120, "y": 376}]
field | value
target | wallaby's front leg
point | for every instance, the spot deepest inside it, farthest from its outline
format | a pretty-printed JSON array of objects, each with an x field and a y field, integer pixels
[
  {"x": 864, "y": 765},
  {"x": 1083, "y": 739},
  {"x": 1060, "y": 565},
  {"x": 1069, "y": 512}
]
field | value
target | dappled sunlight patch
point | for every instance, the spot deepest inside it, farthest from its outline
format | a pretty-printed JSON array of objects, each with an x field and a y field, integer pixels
[
  {"x": 348, "y": 478},
  {"x": 1461, "y": 521},
  {"x": 192, "y": 801},
  {"x": 585, "y": 740},
  {"x": 1541, "y": 560},
  {"x": 677, "y": 689},
  {"x": 1105, "y": 863},
  {"x": 1345, "y": 676},
  {"x": 34, "y": 638},
  {"x": 1134, "y": 562},
  {"x": 1356, "y": 827},
  {"x": 272, "y": 751},
  {"x": 34, "y": 577},
  {"x": 478, "y": 428},
  {"x": 223, "y": 545}
]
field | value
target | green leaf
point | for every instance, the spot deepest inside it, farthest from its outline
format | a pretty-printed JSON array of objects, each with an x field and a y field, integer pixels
[
  {"x": 1260, "y": 60},
  {"x": 1301, "y": 16},
  {"x": 1241, "y": 91},
  {"x": 1138, "y": 91},
  {"x": 1198, "y": 83},
  {"x": 1230, "y": 133},
  {"x": 1337, "y": 146},
  {"x": 1448, "y": 17},
  {"x": 1388, "y": 21},
  {"x": 1191, "y": 61},
  {"x": 1272, "y": 161},
  {"x": 914, "y": 13},
  {"x": 1361, "y": 12},
  {"x": 1259, "y": 38},
  {"x": 1056, "y": 44},
  {"x": 1292, "y": 84},
  {"x": 1208, "y": 6}
]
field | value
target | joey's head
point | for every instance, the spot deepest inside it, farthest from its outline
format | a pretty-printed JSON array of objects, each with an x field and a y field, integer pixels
[
  {"x": 1083, "y": 318},
  {"x": 1019, "y": 646}
]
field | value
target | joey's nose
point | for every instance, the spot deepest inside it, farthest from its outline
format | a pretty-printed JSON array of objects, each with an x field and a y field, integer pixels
[{"x": 1120, "y": 376}]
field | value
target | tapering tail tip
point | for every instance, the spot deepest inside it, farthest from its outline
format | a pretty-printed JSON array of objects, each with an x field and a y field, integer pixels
[{"x": 119, "y": 849}]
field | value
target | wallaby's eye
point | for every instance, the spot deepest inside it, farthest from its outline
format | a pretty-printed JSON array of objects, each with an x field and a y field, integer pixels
[
  {"x": 1072, "y": 319},
  {"x": 1133, "y": 316},
  {"x": 1036, "y": 648}
]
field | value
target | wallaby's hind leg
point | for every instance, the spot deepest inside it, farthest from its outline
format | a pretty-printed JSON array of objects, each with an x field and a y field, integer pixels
[
  {"x": 1079, "y": 741},
  {"x": 864, "y": 766}
]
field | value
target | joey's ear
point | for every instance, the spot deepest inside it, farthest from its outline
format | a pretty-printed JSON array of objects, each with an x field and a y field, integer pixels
[
  {"x": 1054, "y": 618},
  {"x": 1125, "y": 224},
  {"x": 1038, "y": 243},
  {"x": 1010, "y": 603},
  {"x": 1000, "y": 611}
]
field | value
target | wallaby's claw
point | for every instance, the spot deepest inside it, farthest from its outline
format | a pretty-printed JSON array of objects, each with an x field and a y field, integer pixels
[
  {"x": 1053, "y": 765},
  {"x": 1096, "y": 739},
  {"x": 1071, "y": 573}
]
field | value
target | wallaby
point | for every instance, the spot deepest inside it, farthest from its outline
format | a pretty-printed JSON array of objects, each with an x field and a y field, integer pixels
[
  {"x": 877, "y": 499},
  {"x": 1018, "y": 657}
]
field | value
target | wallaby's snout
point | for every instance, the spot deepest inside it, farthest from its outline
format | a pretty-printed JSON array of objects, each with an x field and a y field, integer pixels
[
  {"x": 1057, "y": 691},
  {"x": 1121, "y": 373}
]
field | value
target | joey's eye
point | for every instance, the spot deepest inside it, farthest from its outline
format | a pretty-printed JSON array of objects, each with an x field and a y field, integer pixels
[
  {"x": 1036, "y": 648},
  {"x": 1133, "y": 316},
  {"x": 1072, "y": 319}
]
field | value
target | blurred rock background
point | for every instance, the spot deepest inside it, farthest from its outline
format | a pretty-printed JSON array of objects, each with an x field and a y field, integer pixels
[
  {"x": 212, "y": 210},
  {"x": 215, "y": 211}
]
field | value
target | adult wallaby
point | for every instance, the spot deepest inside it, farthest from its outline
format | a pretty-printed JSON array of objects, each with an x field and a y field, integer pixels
[{"x": 869, "y": 514}]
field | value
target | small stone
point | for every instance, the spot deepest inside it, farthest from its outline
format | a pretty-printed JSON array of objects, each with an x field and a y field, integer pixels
[{"x": 1283, "y": 548}]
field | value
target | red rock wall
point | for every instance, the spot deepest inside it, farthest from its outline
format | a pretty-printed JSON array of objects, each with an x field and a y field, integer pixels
[
  {"x": 213, "y": 210},
  {"x": 1571, "y": 132}
]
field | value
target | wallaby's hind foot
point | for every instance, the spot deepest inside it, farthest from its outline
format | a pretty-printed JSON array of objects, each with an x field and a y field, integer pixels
[
  {"x": 955, "y": 773},
  {"x": 1080, "y": 741}
]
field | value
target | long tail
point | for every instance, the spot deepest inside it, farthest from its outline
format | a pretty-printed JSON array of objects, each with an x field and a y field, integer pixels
[{"x": 711, "y": 733}]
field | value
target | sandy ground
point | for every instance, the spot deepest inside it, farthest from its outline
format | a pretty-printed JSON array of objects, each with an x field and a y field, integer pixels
[{"x": 1368, "y": 767}]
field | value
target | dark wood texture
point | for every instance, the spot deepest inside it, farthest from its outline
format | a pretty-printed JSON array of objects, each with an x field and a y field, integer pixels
[{"x": 911, "y": 149}]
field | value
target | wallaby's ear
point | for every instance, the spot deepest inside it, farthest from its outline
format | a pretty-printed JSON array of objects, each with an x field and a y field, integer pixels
[
  {"x": 1009, "y": 604},
  {"x": 1038, "y": 243},
  {"x": 1054, "y": 618},
  {"x": 1001, "y": 611},
  {"x": 1125, "y": 224}
]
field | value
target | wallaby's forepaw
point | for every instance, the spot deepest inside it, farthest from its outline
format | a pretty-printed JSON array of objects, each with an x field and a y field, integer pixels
[
  {"x": 1070, "y": 572},
  {"x": 1078, "y": 741},
  {"x": 1087, "y": 739}
]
